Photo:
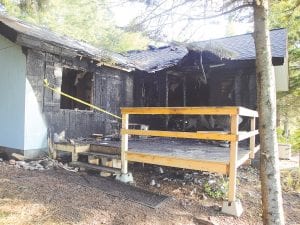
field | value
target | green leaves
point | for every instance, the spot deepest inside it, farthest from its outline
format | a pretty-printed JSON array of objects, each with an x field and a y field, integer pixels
[{"x": 83, "y": 20}]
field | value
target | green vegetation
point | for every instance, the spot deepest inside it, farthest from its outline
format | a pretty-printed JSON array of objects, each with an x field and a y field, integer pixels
[
  {"x": 217, "y": 189},
  {"x": 286, "y": 13},
  {"x": 290, "y": 180},
  {"x": 4, "y": 214},
  {"x": 83, "y": 20}
]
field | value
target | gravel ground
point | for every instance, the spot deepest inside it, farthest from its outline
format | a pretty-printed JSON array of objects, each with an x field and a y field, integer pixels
[{"x": 56, "y": 197}]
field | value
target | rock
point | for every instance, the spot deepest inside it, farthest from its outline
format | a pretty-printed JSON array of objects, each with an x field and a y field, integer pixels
[
  {"x": 203, "y": 196},
  {"x": 26, "y": 167},
  {"x": 160, "y": 169},
  {"x": 194, "y": 191},
  {"x": 12, "y": 162},
  {"x": 158, "y": 185},
  {"x": 18, "y": 156},
  {"x": 152, "y": 183},
  {"x": 46, "y": 163},
  {"x": 21, "y": 163},
  {"x": 211, "y": 181}
]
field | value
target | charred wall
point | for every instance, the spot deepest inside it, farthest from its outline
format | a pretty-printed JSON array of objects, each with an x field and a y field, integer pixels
[
  {"x": 111, "y": 89},
  {"x": 233, "y": 84}
]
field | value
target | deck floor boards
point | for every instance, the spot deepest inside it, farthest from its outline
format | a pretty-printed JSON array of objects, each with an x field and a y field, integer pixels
[{"x": 181, "y": 148}]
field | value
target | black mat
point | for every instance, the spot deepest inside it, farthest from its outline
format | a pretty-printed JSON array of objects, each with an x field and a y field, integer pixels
[{"x": 122, "y": 190}]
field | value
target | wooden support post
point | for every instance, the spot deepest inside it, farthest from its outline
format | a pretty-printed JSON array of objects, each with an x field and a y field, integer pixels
[
  {"x": 234, "y": 126},
  {"x": 124, "y": 145},
  {"x": 252, "y": 139},
  {"x": 74, "y": 156},
  {"x": 54, "y": 154},
  {"x": 93, "y": 160}
]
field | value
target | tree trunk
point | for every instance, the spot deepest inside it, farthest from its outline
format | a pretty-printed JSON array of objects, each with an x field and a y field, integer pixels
[{"x": 266, "y": 95}]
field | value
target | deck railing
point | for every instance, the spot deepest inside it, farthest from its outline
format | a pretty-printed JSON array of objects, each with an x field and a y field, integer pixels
[{"x": 233, "y": 136}]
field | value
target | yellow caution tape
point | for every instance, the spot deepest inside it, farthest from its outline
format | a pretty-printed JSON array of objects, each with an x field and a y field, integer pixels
[{"x": 47, "y": 85}]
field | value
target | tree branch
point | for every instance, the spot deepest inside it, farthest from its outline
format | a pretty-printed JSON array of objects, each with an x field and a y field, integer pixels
[{"x": 249, "y": 5}]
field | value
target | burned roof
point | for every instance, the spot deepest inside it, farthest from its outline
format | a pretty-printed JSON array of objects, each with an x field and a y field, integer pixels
[
  {"x": 243, "y": 48},
  {"x": 156, "y": 59},
  {"x": 240, "y": 47},
  {"x": 32, "y": 36}
]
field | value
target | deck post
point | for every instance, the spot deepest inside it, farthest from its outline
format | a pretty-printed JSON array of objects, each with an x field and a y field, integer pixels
[
  {"x": 124, "y": 144},
  {"x": 124, "y": 176},
  {"x": 252, "y": 139},
  {"x": 233, "y": 206}
]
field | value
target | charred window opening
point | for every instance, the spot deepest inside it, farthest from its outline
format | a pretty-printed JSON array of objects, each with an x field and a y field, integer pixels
[{"x": 77, "y": 84}]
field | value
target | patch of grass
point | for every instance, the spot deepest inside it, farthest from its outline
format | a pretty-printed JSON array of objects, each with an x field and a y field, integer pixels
[
  {"x": 4, "y": 214},
  {"x": 290, "y": 180},
  {"x": 217, "y": 189}
]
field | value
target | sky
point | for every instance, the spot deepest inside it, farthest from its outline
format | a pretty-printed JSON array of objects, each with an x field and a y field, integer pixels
[{"x": 197, "y": 30}]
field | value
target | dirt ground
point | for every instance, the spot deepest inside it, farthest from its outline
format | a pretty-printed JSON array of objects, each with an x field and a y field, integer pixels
[{"x": 52, "y": 197}]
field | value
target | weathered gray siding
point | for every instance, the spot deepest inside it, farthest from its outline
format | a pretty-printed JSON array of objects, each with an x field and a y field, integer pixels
[{"x": 112, "y": 89}]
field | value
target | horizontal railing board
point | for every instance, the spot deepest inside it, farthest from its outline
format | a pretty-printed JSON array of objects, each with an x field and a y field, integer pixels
[
  {"x": 175, "y": 134},
  {"x": 247, "y": 134},
  {"x": 181, "y": 110},
  {"x": 218, "y": 167}
]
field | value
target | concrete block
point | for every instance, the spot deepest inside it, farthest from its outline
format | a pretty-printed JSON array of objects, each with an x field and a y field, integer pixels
[
  {"x": 232, "y": 208},
  {"x": 285, "y": 151},
  {"x": 125, "y": 177}
]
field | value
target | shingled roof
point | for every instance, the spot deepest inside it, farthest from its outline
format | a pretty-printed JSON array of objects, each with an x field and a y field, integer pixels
[
  {"x": 156, "y": 59},
  {"x": 243, "y": 48},
  {"x": 240, "y": 47},
  {"x": 32, "y": 36}
]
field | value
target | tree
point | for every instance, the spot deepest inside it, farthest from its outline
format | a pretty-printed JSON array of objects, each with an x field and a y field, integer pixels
[
  {"x": 84, "y": 20},
  {"x": 287, "y": 13},
  {"x": 266, "y": 93}
]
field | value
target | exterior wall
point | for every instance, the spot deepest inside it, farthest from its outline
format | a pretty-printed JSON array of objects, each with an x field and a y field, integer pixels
[
  {"x": 35, "y": 125},
  {"x": 12, "y": 95},
  {"x": 282, "y": 76},
  {"x": 233, "y": 85},
  {"x": 112, "y": 89}
]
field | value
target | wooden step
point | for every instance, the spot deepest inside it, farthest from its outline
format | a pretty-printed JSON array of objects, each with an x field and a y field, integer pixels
[
  {"x": 100, "y": 155},
  {"x": 106, "y": 149},
  {"x": 96, "y": 167}
]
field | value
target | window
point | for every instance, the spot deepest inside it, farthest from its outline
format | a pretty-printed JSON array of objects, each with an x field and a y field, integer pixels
[{"x": 77, "y": 84}]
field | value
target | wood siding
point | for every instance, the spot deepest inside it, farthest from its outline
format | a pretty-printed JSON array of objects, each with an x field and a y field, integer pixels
[{"x": 112, "y": 89}]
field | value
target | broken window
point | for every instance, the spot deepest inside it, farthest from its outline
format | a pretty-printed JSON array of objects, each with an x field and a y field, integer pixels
[{"x": 77, "y": 84}]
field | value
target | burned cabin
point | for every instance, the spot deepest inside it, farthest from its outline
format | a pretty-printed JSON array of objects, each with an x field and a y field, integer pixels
[
  {"x": 219, "y": 72},
  {"x": 30, "y": 112}
]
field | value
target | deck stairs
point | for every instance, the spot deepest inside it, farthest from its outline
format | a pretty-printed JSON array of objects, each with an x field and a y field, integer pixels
[{"x": 92, "y": 157}]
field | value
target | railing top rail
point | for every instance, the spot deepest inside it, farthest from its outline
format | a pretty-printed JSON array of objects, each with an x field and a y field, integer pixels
[{"x": 222, "y": 110}]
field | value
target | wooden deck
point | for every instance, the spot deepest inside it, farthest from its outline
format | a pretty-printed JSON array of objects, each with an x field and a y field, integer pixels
[
  {"x": 195, "y": 155},
  {"x": 187, "y": 154}
]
